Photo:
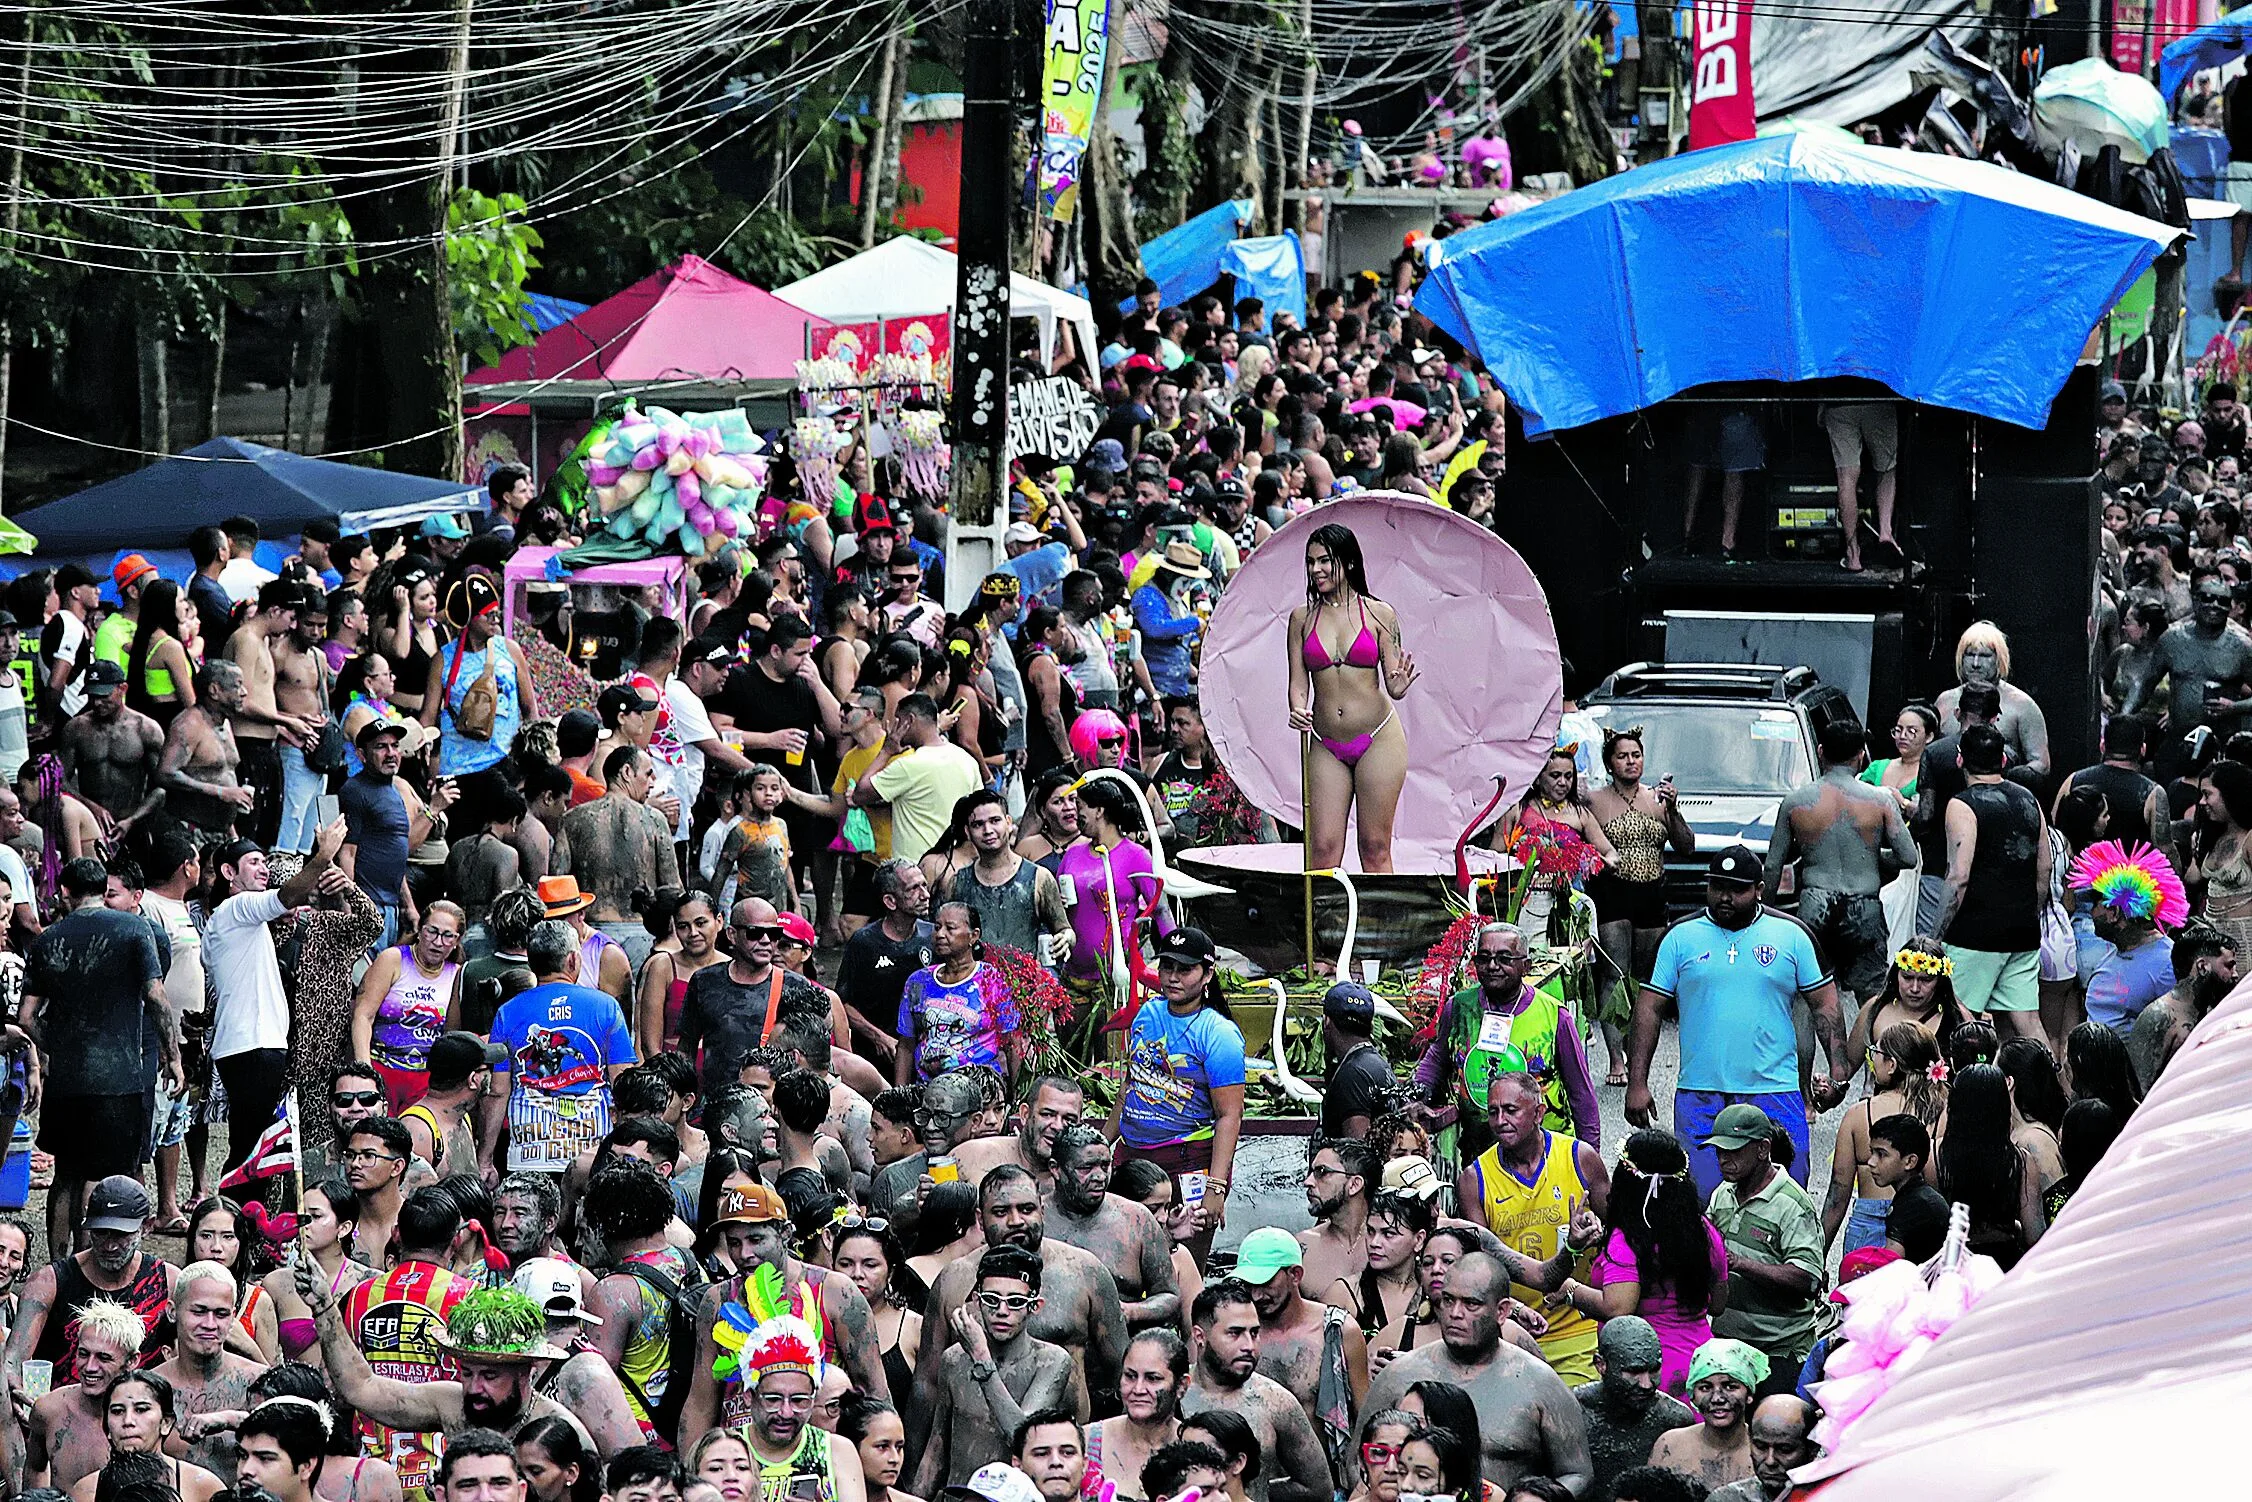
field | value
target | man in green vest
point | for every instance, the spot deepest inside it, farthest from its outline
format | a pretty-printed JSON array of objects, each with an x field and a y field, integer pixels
[{"x": 1502, "y": 1014}]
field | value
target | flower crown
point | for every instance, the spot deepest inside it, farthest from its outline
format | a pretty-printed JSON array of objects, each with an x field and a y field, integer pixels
[{"x": 1916, "y": 962}]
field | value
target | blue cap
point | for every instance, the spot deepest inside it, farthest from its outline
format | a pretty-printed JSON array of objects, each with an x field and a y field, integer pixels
[{"x": 444, "y": 526}]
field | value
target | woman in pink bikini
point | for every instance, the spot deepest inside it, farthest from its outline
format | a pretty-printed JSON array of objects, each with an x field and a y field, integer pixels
[{"x": 1347, "y": 666}]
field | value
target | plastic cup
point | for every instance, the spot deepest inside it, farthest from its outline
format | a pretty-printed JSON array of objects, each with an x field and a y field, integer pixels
[
  {"x": 945, "y": 1170},
  {"x": 38, "y": 1379},
  {"x": 795, "y": 758},
  {"x": 1370, "y": 969}
]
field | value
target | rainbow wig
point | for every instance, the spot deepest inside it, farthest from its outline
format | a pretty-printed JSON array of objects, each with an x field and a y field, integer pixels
[{"x": 2134, "y": 884}]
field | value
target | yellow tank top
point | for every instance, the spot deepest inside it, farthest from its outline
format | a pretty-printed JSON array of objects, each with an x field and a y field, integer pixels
[{"x": 1531, "y": 1219}]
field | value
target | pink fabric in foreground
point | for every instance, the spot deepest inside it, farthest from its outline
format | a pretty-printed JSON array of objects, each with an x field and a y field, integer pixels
[{"x": 1471, "y": 614}]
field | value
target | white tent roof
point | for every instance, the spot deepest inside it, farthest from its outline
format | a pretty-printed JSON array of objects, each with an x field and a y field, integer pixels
[{"x": 906, "y": 276}]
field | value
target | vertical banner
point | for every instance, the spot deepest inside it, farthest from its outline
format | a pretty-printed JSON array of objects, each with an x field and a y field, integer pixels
[
  {"x": 1071, "y": 84},
  {"x": 1720, "y": 100}
]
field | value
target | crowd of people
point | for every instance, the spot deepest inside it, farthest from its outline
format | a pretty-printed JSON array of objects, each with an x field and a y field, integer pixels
[{"x": 677, "y": 1068}]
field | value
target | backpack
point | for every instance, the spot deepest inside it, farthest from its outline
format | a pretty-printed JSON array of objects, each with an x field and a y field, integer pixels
[{"x": 682, "y": 1301}]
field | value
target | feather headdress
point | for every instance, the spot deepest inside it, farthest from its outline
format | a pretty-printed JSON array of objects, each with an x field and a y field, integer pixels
[
  {"x": 762, "y": 1334},
  {"x": 2137, "y": 883}
]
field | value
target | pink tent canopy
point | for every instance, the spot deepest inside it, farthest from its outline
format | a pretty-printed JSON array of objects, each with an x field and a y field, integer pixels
[
  {"x": 690, "y": 323},
  {"x": 2116, "y": 1359}
]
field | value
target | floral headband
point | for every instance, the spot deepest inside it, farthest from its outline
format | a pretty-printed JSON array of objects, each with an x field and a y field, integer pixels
[{"x": 1916, "y": 962}]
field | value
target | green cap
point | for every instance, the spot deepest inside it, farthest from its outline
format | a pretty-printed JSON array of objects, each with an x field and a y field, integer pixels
[
  {"x": 1740, "y": 1125},
  {"x": 1266, "y": 1252}
]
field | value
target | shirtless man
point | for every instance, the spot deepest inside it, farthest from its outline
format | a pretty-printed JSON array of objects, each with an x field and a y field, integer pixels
[
  {"x": 1530, "y": 1424},
  {"x": 1055, "y": 1103},
  {"x": 261, "y": 728},
  {"x": 1123, "y": 1234},
  {"x": 111, "y": 754},
  {"x": 442, "y": 1125},
  {"x": 2204, "y": 974},
  {"x": 996, "y": 1374},
  {"x": 66, "y": 1440},
  {"x": 1079, "y": 1306},
  {"x": 540, "y": 850},
  {"x": 198, "y": 772},
  {"x": 1224, "y": 1373},
  {"x": 206, "y": 1377},
  {"x": 483, "y": 864},
  {"x": 1294, "y": 1333},
  {"x": 2208, "y": 648},
  {"x": 300, "y": 676},
  {"x": 1341, "y": 1180},
  {"x": 618, "y": 842},
  {"x": 1982, "y": 655},
  {"x": 1850, "y": 839}
]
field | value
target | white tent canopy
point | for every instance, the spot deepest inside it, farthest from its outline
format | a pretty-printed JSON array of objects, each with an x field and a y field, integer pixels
[{"x": 903, "y": 277}]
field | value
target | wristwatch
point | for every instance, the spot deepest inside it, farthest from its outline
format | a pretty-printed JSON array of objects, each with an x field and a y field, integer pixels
[{"x": 982, "y": 1371}]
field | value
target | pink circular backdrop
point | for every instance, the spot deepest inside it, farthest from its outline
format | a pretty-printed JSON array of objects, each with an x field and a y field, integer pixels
[{"x": 1489, "y": 690}]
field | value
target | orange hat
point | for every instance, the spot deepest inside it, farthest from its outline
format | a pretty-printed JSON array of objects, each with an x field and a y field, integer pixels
[
  {"x": 561, "y": 896},
  {"x": 130, "y": 570},
  {"x": 750, "y": 1204}
]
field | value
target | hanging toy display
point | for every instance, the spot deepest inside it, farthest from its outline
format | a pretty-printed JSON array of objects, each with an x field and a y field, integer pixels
[
  {"x": 918, "y": 441},
  {"x": 818, "y": 446},
  {"x": 688, "y": 480}
]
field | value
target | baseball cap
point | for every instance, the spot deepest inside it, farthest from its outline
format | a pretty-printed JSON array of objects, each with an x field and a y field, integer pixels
[
  {"x": 1021, "y": 532},
  {"x": 555, "y": 1285},
  {"x": 1349, "y": 1001},
  {"x": 1187, "y": 946},
  {"x": 709, "y": 649},
  {"x": 2112, "y": 392},
  {"x": 379, "y": 727},
  {"x": 1859, "y": 1263},
  {"x": 457, "y": 1055},
  {"x": 117, "y": 1203},
  {"x": 1413, "y": 1177},
  {"x": 8, "y": 621},
  {"x": 796, "y": 929},
  {"x": 104, "y": 677},
  {"x": 623, "y": 699},
  {"x": 749, "y": 1205},
  {"x": 1266, "y": 1252},
  {"x": 444, "y": 526},
  {"x": 1740, "y": 1125},
  {"x": 995, "y": 1481},
  {"x": 1737, "y": 866},
  {"x": 131, "y": 569}
]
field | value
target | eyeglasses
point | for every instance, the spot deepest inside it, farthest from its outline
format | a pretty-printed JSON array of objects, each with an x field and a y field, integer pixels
[
  {"x": 1375, "y": 1454},
  {"x": 1015, "y": 1303},
  {"x": 368, "y": 1154},
  {"x": 786, "y": 1402},
  {"x": 924, "y": 1116},
  {"x": 1501, "y": 957},
  {"x": 356, "y": 1098}
]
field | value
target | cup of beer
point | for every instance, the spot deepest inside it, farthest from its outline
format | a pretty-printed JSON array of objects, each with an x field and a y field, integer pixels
[
  {"x": 944, "y": 1170},
  {"x": 38, "y": 1379}
]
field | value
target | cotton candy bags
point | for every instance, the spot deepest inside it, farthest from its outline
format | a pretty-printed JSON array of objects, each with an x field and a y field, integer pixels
[
  {"x": 691, "y": 480},
  {"x": 1892, "y": 1321}
]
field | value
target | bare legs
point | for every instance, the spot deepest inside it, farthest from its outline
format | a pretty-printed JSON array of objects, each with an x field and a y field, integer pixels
[
  {"x": 1849, "y": 510},
  {"x": 1332, "y": 788}
]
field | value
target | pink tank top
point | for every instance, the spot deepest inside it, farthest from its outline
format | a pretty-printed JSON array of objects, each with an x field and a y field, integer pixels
[{"x": 411, "y": 1015}]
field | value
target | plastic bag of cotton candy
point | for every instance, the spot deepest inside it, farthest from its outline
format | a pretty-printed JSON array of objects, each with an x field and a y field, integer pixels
[
  {"x": 690, "y": 479},
  {"x": 1893, "y": 1318}
]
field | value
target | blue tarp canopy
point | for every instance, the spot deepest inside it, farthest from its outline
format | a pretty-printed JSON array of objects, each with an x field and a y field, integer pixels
[
  {"x": 1186, "y": 260},
  {"x": 547, "y": 312},
  {"x": 160, "y": 506},
  {"x": 2213, "y": 45},
  {"x": 1271, "y": 268},
  {"x": 1957, "y": 283}
]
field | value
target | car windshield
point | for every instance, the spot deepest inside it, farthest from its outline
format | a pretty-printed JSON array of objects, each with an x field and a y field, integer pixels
[{"x": 1716, "y": 750}]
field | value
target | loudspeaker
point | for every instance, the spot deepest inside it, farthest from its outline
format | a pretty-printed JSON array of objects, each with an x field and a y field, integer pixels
[{"x": 2034, "y": 564}]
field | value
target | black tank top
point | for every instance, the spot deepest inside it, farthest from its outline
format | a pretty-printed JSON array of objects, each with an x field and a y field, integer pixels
[
  {"x": 2125, "y": 792},
  {"x": 1040, "y": 749},
  {"x": 2001, "y": 911},
  {"x": 1372, "y": 1302},
  {"x": 148, "y": 1295}
]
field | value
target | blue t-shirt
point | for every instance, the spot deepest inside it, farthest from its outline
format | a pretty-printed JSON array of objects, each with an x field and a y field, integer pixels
[
  {"x": 1734, "y": 989},
  {"x": 562, "y": 1042},
  {"x": 952, "y": 1026},
  {"x": 1173, "y": 1064},
  {"x": 2119, "y": 985},
  {"x": 376, "y": 825},
  {"x": 458, "y": 754}
]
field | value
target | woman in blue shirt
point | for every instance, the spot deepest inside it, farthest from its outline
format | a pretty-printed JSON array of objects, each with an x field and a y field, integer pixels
[
  {"x": 1167, "y": 625},
  {"x": 1181, "y": 1105}
]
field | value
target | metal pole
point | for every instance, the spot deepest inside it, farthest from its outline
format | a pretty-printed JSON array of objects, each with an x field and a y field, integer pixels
[{"x": 981, "y": 300}]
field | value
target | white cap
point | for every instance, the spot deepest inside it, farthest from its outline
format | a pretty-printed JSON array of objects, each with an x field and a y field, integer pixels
[
  {"x": 557, "y": 1287},
  {"x": 1020, "y": 532},
  {"x": 998, "y": 1481}
]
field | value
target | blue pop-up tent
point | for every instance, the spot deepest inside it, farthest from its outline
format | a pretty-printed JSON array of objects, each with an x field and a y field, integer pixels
[
  {"x": 162, "y": 505},
  {"x": 2213, "y": 45},
  {"x": 1790, "y": 258}
]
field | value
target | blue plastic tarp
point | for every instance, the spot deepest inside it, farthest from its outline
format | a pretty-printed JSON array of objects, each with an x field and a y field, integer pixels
[
  {"x": 1186, "y": 260},
  {"x": 1957, "y": 283},
  {"x": 1271, "y": 268},
  {"x": 547, "y": 312},
  {"x": 2213, "y": 45},
  {"x": 162, "y": 505}
]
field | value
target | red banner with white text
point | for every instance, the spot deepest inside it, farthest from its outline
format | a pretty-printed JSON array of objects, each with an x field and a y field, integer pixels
[{"x": 1720, "y": 101}]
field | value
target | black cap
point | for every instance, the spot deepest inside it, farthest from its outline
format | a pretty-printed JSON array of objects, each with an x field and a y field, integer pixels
[
  {"x": 1349, "y": 1001},
  {"x": 1188, "y": 946},
  {"x": 104, "y": 677},
  {"x": 455, "y": 1056},
  {"x": 1736, "y": 866},
  {"x": 622, "y": 699},
  {"x": 378, "y": 727},
  {"x": 117, "y": 1203},
  {"x": 8, "y": 621}
]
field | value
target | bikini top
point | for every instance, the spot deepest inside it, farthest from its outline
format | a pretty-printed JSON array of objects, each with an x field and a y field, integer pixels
[{"x": 1363, "y": 653}]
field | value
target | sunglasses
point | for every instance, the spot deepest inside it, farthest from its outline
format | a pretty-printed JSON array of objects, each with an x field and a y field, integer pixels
[
  {"x": 356, "y": 1098},
  {"x": 877, "y": 1223},
  {"x": 768, "y": 931},
  {"x": 1015, "y": 1303}
]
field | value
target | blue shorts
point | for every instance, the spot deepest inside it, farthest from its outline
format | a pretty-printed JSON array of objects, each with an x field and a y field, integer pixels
[
  {"x": 1695, "y": 1110},
  {"x": 1866, "y": 1225}
]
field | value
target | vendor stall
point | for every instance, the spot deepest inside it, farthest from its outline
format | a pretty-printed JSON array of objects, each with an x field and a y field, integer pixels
[{"x": 578, "y": 626}]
